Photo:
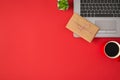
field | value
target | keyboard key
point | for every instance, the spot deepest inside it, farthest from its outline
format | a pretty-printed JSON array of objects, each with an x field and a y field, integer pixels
[
  {"x": 107, "y": 12},
  {"x": 92, "y": 15},
  {"x": 96, "y": 11},
  {"x": 118, "y": 4},
  {"x": 96, "y": 5},
  {"x": 103, "y": 15},
  {"x": 88, "y": 1},
  {"x": 107, "y": 5},
  {"x": 93, "y": 8},
  {"x": 95, "y": 1},
  {"x": 81, "y": 1},
  {"x": 103, "y": 4},
  {"x": 115, "y": 15},
  {"x": 92, "y": 1},
  {"x": 113, "y": 11},
  {"x": 82, "y": 5},
  {"x": 105, "y": 1},
  {"x": 119, "y": 8},
  {"x": 103, "y": 11},
  {"x": 82, "y": 15},
  {"x": 88, "y": 11},
  {"x": 85, "y": 1},
  {"x": 114, "y": 4},
  {"x": 85, "y": 11},
  {"x": 117, "y": 11},
  {"x": 98, "y": 1},
  {"x": 102, "y": 1},
  {"x": 86, "y": 4},
  {"x": 114, "y": 1},
  {"x": 100, "y": 12},
  {"x": 82, "y": 11},
  {"x": 88, "y": 15},
  {"x": 109, "y": 1}
]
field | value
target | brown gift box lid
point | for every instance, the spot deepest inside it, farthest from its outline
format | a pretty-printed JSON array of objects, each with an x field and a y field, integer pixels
[{"x": 82, "y": 27}]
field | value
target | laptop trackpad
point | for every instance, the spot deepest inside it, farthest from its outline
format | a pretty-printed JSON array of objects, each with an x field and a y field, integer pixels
[{"x": 106, "y": 25}]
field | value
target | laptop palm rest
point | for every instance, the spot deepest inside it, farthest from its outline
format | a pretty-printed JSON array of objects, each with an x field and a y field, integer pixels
[{"x": 106, "y": 25}]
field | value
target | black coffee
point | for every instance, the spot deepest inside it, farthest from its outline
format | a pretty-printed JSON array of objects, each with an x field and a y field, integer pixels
[{"x": 112, "y": 49}]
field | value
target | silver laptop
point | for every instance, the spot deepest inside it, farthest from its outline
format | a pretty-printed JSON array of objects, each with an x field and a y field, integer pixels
[{"x": 104, "y": 13}]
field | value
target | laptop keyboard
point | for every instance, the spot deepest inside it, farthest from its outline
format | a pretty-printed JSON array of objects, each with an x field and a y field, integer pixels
[{"x": 100, "y": 8}]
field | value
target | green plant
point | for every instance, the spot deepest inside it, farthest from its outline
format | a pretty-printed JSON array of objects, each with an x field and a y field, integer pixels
[{"x": 63, "y": 4}]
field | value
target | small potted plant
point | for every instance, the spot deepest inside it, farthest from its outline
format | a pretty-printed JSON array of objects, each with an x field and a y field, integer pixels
[{"x": 62, "y": 4}]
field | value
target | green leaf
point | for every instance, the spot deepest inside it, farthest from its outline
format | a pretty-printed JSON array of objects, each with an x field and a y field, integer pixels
[{"x": 63, "y": 4}]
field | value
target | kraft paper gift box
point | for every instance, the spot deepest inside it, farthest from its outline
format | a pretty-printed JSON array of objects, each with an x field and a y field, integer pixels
[{"x": 82, "y": 27}]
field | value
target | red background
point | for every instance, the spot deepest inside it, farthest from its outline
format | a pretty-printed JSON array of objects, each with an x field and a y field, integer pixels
[{"x": 35, "y": 45}]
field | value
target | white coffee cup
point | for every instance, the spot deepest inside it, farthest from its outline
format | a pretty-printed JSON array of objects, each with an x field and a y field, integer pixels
[{"x": 112, "y": 49}]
